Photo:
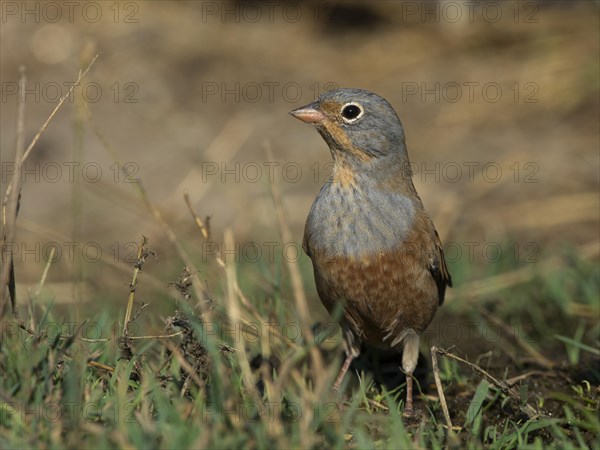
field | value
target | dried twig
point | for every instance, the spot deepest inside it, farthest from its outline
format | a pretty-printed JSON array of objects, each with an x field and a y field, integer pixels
[
  {"x": 185, "y": 364},
  {"x": 514, "y": 380},
  {"x": 525, "y": 408},
  {"x": 143, "y": 253},
  {"x": 440, "y": 389},
  {"x": 101, "y": 366},
  {"x": 132, "y": 338}
]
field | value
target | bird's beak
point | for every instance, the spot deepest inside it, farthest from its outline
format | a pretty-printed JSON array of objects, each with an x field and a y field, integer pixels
[{"x": 309, "y": 113}]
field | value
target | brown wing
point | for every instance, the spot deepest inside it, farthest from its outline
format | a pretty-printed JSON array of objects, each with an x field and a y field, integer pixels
[
  {"x": 437, "y": 261},
  {"x": 438, "y": 268}
]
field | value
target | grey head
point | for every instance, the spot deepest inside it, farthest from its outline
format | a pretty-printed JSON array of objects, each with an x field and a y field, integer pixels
[{"x": 359, "y": 126}]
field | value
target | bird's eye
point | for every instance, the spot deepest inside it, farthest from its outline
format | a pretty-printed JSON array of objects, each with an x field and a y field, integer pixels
[{"x": 351, "y": 112}]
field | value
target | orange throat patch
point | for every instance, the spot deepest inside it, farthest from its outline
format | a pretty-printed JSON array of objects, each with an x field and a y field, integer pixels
[{"x": 343, "y": 175}]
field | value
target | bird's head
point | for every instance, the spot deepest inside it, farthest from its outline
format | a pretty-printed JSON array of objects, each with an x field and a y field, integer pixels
[{"x": 359, "y": 126}]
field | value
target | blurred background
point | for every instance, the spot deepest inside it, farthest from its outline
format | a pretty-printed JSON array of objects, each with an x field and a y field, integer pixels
[{"x": 499, "y": 101}]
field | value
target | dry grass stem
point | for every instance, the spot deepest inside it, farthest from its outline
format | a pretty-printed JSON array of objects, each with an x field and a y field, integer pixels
[
  {"x": 45, "y": 273},
  {"x": 13, "y": 190},
  {"x": 440, "y": 388},
  {"x": 297, "y": 286},
  {"x": 12, "y": 203},
  {"x": 514, "y": 380},
  {"x": 31, "y": 298},
  {"x": 235, "y": 318},
  {"x": 141, "y": 256},
  {"x": 525, "y": 408},
  {"x": 101, "y": 366},
  {"x": 206, "y": 234}
]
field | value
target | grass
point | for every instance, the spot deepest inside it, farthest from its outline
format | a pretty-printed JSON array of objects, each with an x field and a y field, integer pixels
[
  {"x": 238, "y": 365},
  {"x": 191, "y": 390}
]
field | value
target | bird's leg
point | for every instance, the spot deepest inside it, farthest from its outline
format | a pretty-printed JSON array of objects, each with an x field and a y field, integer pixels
[
  {"x": 338, "y": 381},
  {"x": 408, "y": 407},
  {"x": 410, "y": 356}
]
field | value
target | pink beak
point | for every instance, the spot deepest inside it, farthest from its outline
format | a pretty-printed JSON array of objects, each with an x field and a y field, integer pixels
[{"x": 309, "y": 113}]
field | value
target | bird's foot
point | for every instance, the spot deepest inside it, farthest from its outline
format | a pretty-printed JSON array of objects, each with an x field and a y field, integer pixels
[{"x": 408, "y": 412}]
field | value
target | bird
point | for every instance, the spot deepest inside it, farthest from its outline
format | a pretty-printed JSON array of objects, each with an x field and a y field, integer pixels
[{"x": 377, "y": 258}]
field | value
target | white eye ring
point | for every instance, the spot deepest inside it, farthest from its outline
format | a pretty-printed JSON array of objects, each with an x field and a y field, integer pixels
[{"x": 348, "y": 115}]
